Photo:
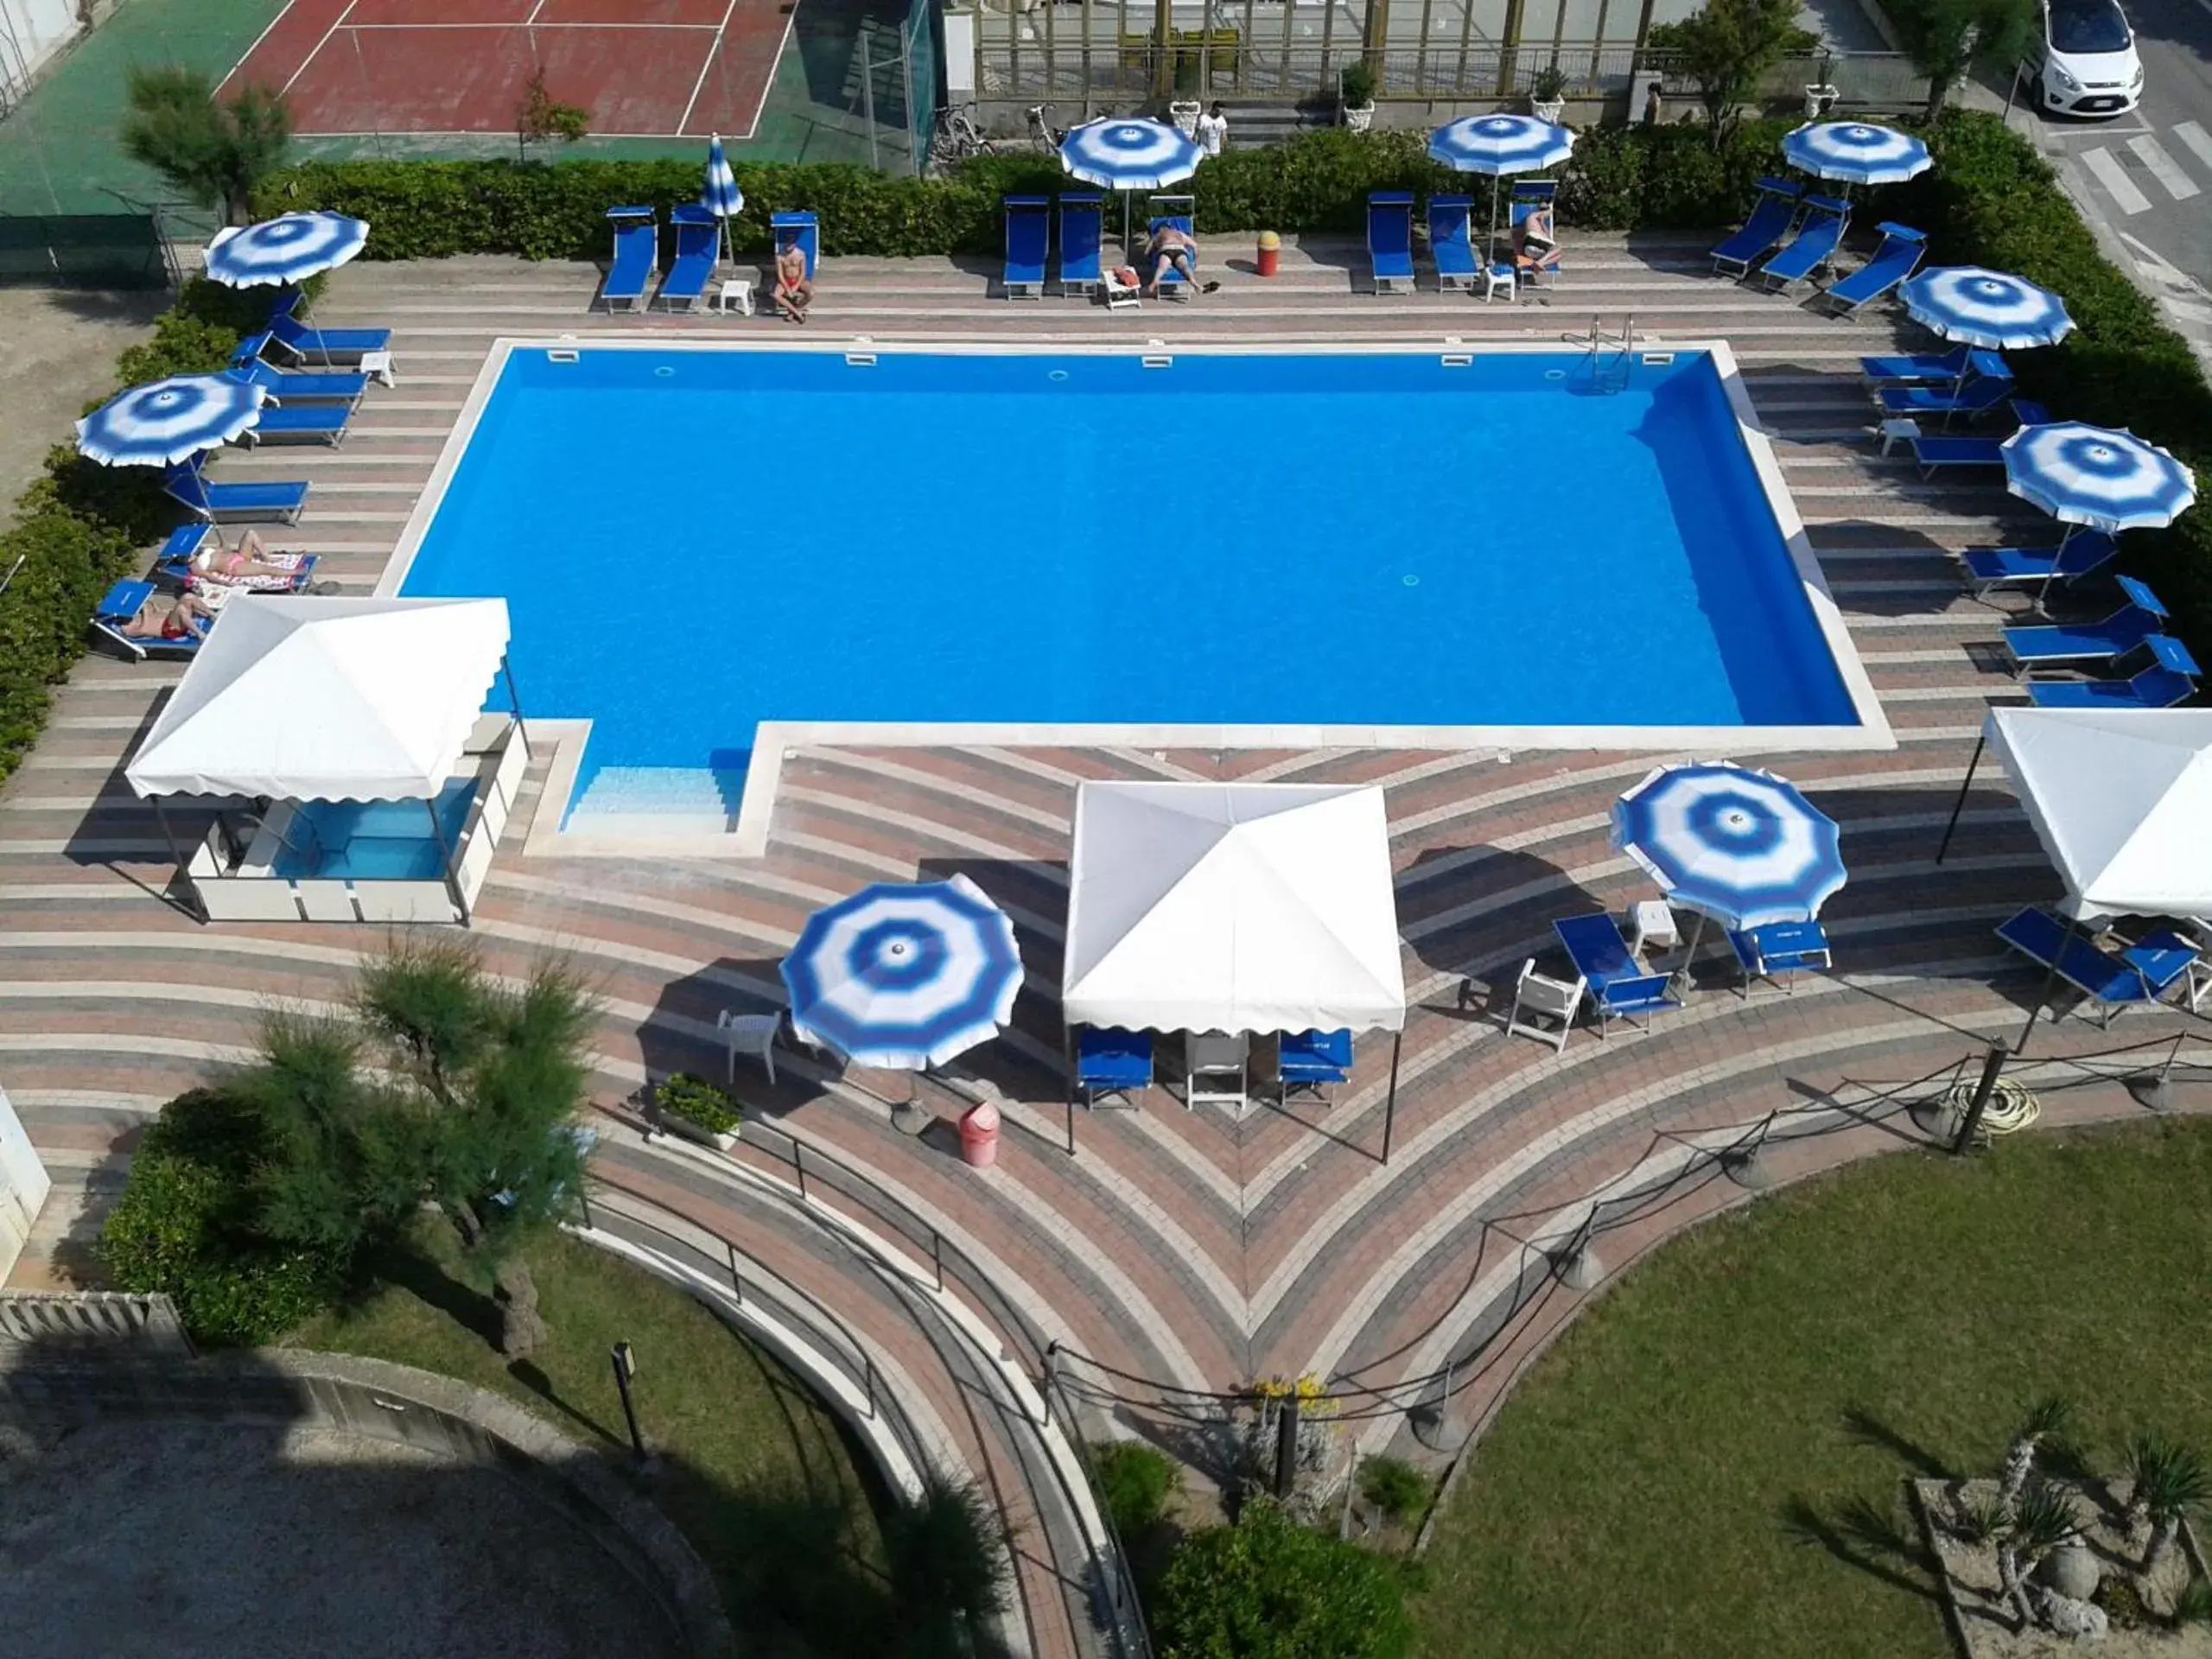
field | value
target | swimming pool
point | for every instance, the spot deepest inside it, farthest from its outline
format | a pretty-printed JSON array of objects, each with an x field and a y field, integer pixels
[{"x": 1403, "y": 548}]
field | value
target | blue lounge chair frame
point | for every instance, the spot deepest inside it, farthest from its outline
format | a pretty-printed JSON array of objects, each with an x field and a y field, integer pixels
[
  {"x": 297, "y": 423},
  {"x": 1390, "y": 240},
  {"x": 1914, "y": 367},
  {"x": 1619, "y": 987},
  {"x": 1898, "y": 258},
  {"x": 801, "y": 229},
  {"x": 1978, "y": 396},
  {"x": 324, "y": 345},
  {"x": 1451, "y": 241},
  {"x": 228, "y": 504},
  {"x": 698, "y": 251},
  {"x": 1826, "y": 217},
  {"x": 2080, "y": 554},
  {"x": 1082, "y": 236},
  {"x": 636, "y": 258},
  {"x": 1779, "y": 952},
  {"x": 294, "y": 385},
  {"x": 2110, "y": 636},
  {"x": 173, "y": 563},
  {"x": 1770, "y": 218},
  {"x": 1311, "y": 1062},
  {"x": 2141, "y": 976},
  {"x": 117, "y": 609},
  {"x": 1181, "y": 212},
  {"x": 1028, "y": 246},
  {"x": 1109, "y": 1061},
  {"x": 2168, "y": 677},
  {"x": 1528, "y": 195}
]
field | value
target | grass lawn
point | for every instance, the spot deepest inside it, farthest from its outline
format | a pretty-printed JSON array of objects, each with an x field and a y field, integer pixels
[
  {"x": 1710, "y": 1462},
  {"x": 756, "y": 1473}
]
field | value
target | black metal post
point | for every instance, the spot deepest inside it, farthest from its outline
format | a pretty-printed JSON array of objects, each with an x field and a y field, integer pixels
[
  {"x": 514, "y": 697},
  {"x": 1071, "y": 1123},
  {"x": 2049, "y": 979},
  {"x": 2152, "y": 1092},
  {"x": 937, "y": 1256},
  {"x": 1993, "y": 1067},
  {"x": 626, "y": 1366},
  {"x": 1286, "y": 1443},
  {"x": 799, "y": 1165},
  {"x": 1052, "y": 1373},
  {"x": 445, "y": 858},
  {"x": 1960, "y": 805},
  {"x": 197, "y": 905},
  {"x": 1390, "y": 1102}
]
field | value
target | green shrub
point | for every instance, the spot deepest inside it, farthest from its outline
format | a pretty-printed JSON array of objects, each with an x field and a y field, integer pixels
[
  {"x": 1268, "y": 1588},
  {"x": 696, "y": 1101},
  {"x": 185, "y": 1226},
  {"x": 1394, "y": 1487},
  {"x": 1136, "y": 1480}
]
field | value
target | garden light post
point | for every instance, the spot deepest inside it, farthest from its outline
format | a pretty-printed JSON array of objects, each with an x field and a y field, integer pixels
[
  {"x": 1993, "y": 1067},
  {"x": 626, "y": 1367}
]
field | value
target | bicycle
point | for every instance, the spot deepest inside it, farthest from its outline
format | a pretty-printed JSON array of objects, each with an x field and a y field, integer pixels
[
  {"x": 957, "y": 138},
  {"x": 1044, "y": 136}
]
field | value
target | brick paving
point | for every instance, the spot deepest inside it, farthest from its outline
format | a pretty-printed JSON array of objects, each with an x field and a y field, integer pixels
[{"x": 1188, "y": 1249}]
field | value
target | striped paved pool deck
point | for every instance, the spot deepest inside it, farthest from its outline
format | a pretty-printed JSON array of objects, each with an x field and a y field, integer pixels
[{"x": 1187, "y": 1248}]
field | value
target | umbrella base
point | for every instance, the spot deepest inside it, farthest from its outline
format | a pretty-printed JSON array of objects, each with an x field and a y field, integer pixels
[{"x": 909, "y": 1117}]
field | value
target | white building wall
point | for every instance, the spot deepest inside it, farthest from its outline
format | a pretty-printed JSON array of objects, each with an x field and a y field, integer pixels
[
  {"x": 31, "y": 31},
  {"x": 23, "y": 1186}
]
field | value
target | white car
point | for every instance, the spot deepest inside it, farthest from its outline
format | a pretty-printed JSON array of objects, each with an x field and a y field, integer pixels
[{"x": 2086, "y": 63}]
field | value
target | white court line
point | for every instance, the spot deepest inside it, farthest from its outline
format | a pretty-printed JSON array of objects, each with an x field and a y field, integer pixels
[
  {"x": 2163, "y": 168},
  {"x": 2195, "y": 136},
  {"x": 531, "y": 22},
  {"x": 369, "y": 29},
  {"x": 284, "y": 11},
  {"x": 768, "y": 81},
  {"x": 319, "y": 45},
  {"x": 714, "y": 51},
  {"x": 2111, "y": 174}
]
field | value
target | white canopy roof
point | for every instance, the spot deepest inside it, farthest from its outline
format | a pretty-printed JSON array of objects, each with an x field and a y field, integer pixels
[
  {"x": 1239, "y": 907},
  {"x": 308, "y": 698},
  {"x": 2122, "y": 799}
]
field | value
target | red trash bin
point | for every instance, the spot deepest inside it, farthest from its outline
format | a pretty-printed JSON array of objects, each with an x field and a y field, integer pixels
[
  {"x": 1270, "y": 260},
  {"x": 979, "y": 1136}
]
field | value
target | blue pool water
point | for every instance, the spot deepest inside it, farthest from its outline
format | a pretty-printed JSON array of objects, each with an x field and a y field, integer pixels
[
  {"x": 693, "y": 541},
  {"x": 387, "y": 841}
]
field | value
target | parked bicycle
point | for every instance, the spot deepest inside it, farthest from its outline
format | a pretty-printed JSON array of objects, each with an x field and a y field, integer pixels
[
  {"x": 957, "y": 138},
  {"x": 1044, "y": 136}
]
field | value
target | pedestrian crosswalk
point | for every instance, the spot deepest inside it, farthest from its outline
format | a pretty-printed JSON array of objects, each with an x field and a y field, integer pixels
[{"x": 2141, "y": 171}]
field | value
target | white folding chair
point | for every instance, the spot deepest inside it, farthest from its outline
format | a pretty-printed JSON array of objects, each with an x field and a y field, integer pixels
[
  {"x": 1214, "y": 1068},
  {"x": 750, "y": 1034},
  {"x": 1551, "y": 999}
]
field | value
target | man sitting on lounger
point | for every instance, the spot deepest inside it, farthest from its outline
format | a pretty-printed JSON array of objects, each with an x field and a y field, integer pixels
[
  {"x": 188, "y": 617},
  {"x": 1535, "y": 246},
  {"x": 794, "y": 288},
  {"x": 249, "y": 564},
  {"x": 1171, "y": 249}
]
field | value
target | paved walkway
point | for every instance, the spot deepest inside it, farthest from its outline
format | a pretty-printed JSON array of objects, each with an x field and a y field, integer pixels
[{"x": 1184, "y": 1249}]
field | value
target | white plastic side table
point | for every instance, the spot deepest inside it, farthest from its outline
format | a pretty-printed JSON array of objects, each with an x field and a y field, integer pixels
[
  {"x": 1498, "y": 279},
  {"x": 739, "y": 288},
  {"x": 377, "y": 366}
]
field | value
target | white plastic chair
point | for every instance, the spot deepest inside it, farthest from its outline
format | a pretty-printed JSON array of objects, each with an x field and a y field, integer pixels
[
  {"x": 1214, "y": 1065},
  {"x": 1552, "y": 999},
  {"x": 750, "y": 1034},
  {"x": 1119, "y": 296}
]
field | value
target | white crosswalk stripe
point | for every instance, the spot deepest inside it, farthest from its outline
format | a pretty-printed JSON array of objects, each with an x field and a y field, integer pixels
[
  {"x": 2192, "y": 134},
  {"x": 2163, "y": 168},
  {"x": 2110, "y": 173}
]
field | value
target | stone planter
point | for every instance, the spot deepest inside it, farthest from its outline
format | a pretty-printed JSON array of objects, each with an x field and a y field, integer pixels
[
  {"x": 720, "y": 1140},
  {"x": 1548, "y": 108},
  {"x": 1360, "y": 119},
  {"x": 1818, "y": 100}
]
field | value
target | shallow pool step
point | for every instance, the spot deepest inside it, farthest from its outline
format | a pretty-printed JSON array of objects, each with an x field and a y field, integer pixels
[{"x": 659, "y": 800}]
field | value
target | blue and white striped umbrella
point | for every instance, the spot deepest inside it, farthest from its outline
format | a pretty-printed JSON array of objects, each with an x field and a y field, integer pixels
[
  {"x": 1500, "y": 143},
  {"x": 903, "y": 977},
  {"x": 1122, "y": 152},
  {"x": 721, "y": 197},
  {"x": 1856, "y": 152},
  {"x": 1986, "y": 307},
  {"x": 169, "y": 420},
  {"x": 2083, "y": 475},
  {"x": 291, "y": 249},
  {"x": 1742, "y": 847}
]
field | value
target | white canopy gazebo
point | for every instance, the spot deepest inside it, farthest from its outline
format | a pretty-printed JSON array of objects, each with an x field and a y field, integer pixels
[{"x": 307, "y": 703}]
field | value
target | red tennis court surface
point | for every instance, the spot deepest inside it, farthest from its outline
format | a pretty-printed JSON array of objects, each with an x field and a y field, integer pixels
[{"x": 649, "y": 68}]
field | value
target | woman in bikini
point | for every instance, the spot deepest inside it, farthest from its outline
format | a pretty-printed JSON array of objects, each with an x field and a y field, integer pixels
[
  {"x": 250, "y": 561},
  {"x": 188, "y": 617}
]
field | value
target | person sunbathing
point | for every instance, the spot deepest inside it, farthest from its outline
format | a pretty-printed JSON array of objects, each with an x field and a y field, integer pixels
[
  {"x": 1535, "y": 244},
  {"x": 188, "y": 617},
  {"x": 249, "y": 561},
  {"x": 1171, "y": 248},
  {"x": 794, "y": 288}
]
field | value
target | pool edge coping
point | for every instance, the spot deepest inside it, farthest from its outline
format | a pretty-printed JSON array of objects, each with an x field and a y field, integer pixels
[{"x": 747, "y": 836}]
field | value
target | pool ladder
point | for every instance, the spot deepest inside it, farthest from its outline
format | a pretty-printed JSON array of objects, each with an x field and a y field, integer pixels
[{"x": 1606, "y": 375}]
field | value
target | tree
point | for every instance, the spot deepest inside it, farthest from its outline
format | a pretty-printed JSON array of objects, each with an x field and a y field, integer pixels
[
  {"x": 1727, "y": 47},
  {"x": 1948, "y": 38},
  {"x": 538, "y": 118},
  {"x": 1268, "y": 1588},
  {"x": 2166, "y": 1482},
  {"x": 2022, "y": 1535},
  {"x": 2044, "y": 1418},
  {"x": 941, "y": 1551},
  {"x": 214, "y": 153}
]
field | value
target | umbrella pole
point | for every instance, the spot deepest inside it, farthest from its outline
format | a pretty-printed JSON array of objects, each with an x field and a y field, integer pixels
[
  {"x": 1958, "y": 806},
  {"x": 1490, "y": 251},
  {"x": 1690, "y": 956},
  {"x": 2042, "y": 594}
]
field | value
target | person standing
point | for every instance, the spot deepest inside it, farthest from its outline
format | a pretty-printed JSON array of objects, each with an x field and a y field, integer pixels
[{"x": 1213, "y": 131}]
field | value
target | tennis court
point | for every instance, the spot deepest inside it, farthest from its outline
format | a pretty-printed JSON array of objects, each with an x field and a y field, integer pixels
[{"x": 642, "y": 68}]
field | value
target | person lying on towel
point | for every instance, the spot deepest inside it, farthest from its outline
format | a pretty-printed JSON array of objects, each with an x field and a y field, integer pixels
[
  {"x": 188, "y": 617},
  {"x": 1536, "y": 246},
  {"x": 250, "y": 564}
]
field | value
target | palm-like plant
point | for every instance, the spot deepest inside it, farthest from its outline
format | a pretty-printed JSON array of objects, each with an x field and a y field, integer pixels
[
  {"x": 943, "y": 1549},
  {"x": 2038, "y": 1523},
  {"x": 2046, "y": 1417},
  {"x": 2167, "y": 1482}
]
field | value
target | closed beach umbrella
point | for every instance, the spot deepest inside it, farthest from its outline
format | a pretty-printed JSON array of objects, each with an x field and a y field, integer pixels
[
  {"x": 290, "y": 249},
  {"x": 1126, "y": 153},
  {"x": 2092, "y": 476},
  {"x": 903, "y": 977},
  {"x": 168, "y": 420},
  {"x": 1855, "y": 152},
  {"x": 1986, "y": 307},
  {"x": 1743, "y": 847},
  {"x": 721, "y": 196},
  {"x": 1497, "y": 145}
]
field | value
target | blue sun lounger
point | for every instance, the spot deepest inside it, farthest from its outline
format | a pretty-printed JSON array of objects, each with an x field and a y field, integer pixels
[
  {"x": 294, "y": 385},
  {"x": 1083, "y": 232},
  {"x": 2140, "y": 976},
  {"x": 1528, "y": 196},
  {"x": 2168, "y": 677},
  {"x": 1111, "y": 1061},
  {"x": 1619, "y": 985},
  {"x": 1895, "y": 259},
  {"x": 325, "y": 346},
  {"x": 119, "y": 606},
  {"x": 1932, "y": 452},
  {"x": 1934, "y": 366},
  {"x": 1814, "y": 246},
  {"x": 1028, "y": 246},
  {"x": 637, "y": 255},
  {"x": 1771, "y": 216},
  {"x": 1181, "y": 212},
  {"x": 222, "y": 504},
  {"x": 1778, "y": 952},
  {"x": 801, "y": 230},
  {"x": 2081, "y": 553},
  {"x": 1312, "y": 1061},
  {"x": 1978, "y": 397},
  {"x": 173, "y": 564},
  {"x": 698, "y": 250},
  {"x": 2116, "y": 635},
  {"x": 297, "y": 423},
  {"x": 1451, "y": 241},
  {"x": 1390, "y": 240}
]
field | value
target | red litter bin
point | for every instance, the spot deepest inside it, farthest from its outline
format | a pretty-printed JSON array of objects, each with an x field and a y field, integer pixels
[
  {"x": 1270, "y": 260},
  {"x": 979, "y": 1136}
]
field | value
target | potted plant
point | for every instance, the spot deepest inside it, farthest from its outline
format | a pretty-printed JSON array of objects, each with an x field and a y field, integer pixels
[
  {"x": 697, "y": 1111},
  {"x": 1356, "y": 94},
  {"x": 1547, "y": 96},
  {"x": 1821, "y": 96}
]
